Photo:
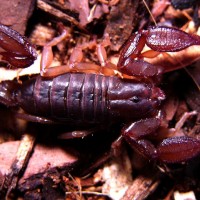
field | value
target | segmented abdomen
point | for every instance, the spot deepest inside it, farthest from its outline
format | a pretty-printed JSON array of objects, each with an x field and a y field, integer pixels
[
  {"x": 92, "y": 98},
  {"x": 73, "y": 96}
]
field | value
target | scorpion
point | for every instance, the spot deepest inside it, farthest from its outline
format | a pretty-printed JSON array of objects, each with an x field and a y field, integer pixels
[{"x": 96, "y": 98}]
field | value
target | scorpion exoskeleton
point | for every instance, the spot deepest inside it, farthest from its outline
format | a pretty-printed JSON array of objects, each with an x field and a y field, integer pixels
[{"x": 95, "y": 98}]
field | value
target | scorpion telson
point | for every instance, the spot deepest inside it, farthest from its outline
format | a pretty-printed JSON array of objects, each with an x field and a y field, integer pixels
[{"x": 93, "y": 98}]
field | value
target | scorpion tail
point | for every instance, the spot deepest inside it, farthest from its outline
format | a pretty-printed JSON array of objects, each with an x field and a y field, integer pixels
[{"x": 7, "y": 93}]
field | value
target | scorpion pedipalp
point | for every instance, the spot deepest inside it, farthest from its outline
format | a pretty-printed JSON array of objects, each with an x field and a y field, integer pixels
[
  {"x": 160, "y": 40},
  {"x": 18, "y": 51},
  {"x": 168, "y": 39}
]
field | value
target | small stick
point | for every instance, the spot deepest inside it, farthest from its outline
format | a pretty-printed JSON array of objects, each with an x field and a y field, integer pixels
[{"x": 23, "y": 154}]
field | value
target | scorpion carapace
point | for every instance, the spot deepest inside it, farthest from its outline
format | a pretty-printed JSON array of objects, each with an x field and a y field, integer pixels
[
  {"x": 95, "y": 98},
  {"x": 90, "y": 98}
]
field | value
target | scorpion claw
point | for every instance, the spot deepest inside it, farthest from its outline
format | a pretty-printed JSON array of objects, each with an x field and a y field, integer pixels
[
  {"x": 168, "y": 39},
  {"x": 159, "y": 39},
  {"x": 171, "y": 150},
  {"x": 18, "y": 51},
  {"x": 178, "y": 149}
]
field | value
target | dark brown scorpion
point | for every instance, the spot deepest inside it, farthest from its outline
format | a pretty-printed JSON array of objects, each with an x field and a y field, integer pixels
[{"x": 95, "y": 98}]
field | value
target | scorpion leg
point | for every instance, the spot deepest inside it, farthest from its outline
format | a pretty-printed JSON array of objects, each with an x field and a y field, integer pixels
[
  {"x": 75, "y": 62},
  {"x": 107, "y": 68},
  {"x": 47, "y": 54},
  {"x": 171, "y": 150},
  {"x": 76, "y": 59},
  {"x": 33, "y": 118},
  {"x": 18, "y": 52}
]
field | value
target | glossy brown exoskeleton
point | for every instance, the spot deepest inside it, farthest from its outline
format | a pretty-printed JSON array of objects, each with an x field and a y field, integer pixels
[
  {"x": 18, "y": 51},
  {"x": 95, "y": 98}
]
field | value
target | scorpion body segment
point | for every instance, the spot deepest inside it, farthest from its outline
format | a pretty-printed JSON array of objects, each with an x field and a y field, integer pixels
[{"x": 87, "y": 98}]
